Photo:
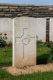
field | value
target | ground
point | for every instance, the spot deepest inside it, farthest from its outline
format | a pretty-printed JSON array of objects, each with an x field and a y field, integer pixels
[
  {"x": 34, "y": 76},
  {"x": 38, "y": 72},
  {"x": 29, "y": 69}
]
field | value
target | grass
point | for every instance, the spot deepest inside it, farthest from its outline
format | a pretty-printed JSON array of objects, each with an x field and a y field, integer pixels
[
  {"x": 42, "y": 48},
  {"x": 42, "y": 55},
  {"x": 5, "y": 56}
]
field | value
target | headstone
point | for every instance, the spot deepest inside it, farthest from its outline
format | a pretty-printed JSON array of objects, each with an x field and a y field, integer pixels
[
  {"x": 24, "y": 42},
  {"x": 6, "y": 28},
  {"x": 51, "y": 29}
]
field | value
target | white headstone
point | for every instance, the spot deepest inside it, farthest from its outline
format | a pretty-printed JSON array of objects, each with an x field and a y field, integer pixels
[
  {"x": 24, "y": 42},
  {"x": 51, "y": 29}
]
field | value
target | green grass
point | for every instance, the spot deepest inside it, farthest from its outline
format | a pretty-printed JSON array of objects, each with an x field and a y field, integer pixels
[
  {"x": 5, "y": 56},
  {"x": 42, "y": 55},
  {"x": 42, "y": 48}
]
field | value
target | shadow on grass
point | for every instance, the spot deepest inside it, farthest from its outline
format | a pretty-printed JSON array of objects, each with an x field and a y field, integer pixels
[
  {"x": 43, "y": 59},
  {"x": 5, "y": 64}
]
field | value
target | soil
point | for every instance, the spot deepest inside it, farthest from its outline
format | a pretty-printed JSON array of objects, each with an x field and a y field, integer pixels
[{"x": 29, "y": 69}]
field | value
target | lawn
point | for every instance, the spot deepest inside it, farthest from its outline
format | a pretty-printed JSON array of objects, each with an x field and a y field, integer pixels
[
  {"x": 5, "y": 56},
  {"x": 43, "y": 53}
]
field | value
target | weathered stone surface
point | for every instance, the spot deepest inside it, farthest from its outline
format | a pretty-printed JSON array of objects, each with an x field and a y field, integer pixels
[
  {"x": 51, "y": 29},
  {"x": 25, "y": 42}
]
